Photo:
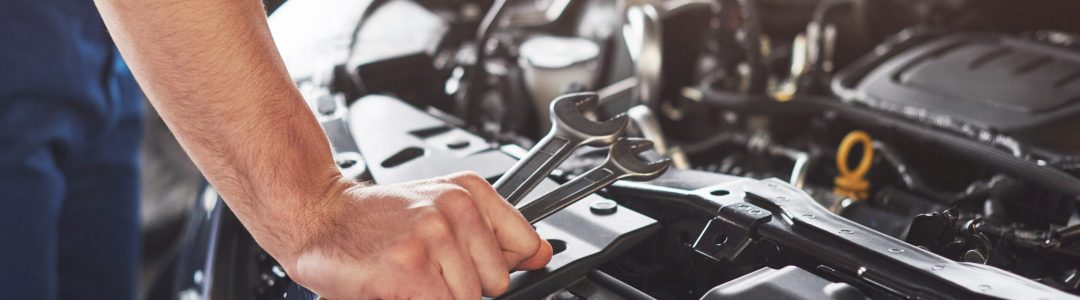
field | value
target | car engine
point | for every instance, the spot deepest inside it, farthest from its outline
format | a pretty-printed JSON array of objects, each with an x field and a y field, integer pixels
[{"x": 820, "y": 149}]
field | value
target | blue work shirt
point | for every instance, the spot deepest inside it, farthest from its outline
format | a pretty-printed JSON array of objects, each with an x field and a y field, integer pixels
[{"x": 70, "y": 124}]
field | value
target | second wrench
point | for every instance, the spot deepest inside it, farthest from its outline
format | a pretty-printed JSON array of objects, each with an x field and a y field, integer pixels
[{"x": 622, "y": 163}]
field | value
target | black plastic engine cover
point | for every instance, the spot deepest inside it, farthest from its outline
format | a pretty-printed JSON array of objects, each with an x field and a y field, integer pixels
[{"x": 979, "y": 83}]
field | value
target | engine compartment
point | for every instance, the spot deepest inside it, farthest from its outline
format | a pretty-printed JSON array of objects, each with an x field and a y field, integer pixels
[{"x": 842, "y": 149}]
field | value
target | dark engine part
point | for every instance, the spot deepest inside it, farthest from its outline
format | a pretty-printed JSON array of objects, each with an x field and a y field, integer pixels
[
  {"x": 770, "y": 223},
  {"x": 394, "y": 52},
  {"x": 989, "y": 86}
]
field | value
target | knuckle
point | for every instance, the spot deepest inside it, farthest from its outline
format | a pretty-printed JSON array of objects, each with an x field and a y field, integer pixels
[
  {"x": 409, "y": 255},
  {"x": 454, "y": 197},
  {"x": 470, "y": 176},
  {"x": 433, "y": 225},
  {"x": 455, "y": 191},
  {"x": 468, "y": 179}
]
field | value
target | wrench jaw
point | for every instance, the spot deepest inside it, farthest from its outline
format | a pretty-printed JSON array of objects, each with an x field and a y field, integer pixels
[
  {"x": 624, "y": 155},
  {"x": 569, "y": 117},
  {"x": 622, "y": 163}
]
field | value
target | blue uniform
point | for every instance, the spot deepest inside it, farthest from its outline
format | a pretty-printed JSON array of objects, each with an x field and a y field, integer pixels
[{"x": 69, "y": 135}]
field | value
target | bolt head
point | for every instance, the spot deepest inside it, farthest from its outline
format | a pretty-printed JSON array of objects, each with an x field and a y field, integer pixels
[{"x": 603, "y": 207}]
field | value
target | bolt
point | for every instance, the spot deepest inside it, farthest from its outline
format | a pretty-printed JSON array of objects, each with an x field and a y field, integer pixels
[
  {"x": 895, "y": 250},
  {"x": 457, "y": 145},
  {"x": 603, "y": 207},
  {"x": 346, "y": 163}
]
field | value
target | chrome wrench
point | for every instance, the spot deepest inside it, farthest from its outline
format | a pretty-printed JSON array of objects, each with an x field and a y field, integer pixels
[
  {"x": 622, "y": 162},
  {"x": 570, "y": 129}
]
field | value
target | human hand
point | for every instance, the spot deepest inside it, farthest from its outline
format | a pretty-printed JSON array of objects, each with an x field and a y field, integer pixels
[{"x": 441, "y": 238}]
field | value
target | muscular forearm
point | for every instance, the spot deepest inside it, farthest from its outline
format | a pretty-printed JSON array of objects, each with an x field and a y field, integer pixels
[
  {"x": 222, "y": 89},
  {"x": 212, "y": 71}
]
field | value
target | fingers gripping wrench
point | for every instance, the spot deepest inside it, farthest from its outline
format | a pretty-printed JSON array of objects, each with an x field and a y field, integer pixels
[
  {"x": 570, "y": 129},
  {"x": 622, "y": 163}
]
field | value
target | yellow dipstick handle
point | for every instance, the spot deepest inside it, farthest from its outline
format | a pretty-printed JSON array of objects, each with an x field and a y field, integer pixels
[{"x": 849, "y": 183}]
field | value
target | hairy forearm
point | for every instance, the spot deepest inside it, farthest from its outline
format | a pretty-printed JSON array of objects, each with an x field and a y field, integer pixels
[{"x": 211, "y": 70}]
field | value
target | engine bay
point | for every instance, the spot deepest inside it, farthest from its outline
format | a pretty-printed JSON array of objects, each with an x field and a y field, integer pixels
[{"x": 820, "y": 149}]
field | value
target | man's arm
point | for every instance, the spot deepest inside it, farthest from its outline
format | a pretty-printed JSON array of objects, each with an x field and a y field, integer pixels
[{"x": 212, "y": 71}]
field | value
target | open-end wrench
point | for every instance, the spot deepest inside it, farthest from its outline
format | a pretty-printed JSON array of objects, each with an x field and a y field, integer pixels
[
  {"x": 570, "y": 129},
  {"x": 622, "y": 163}
]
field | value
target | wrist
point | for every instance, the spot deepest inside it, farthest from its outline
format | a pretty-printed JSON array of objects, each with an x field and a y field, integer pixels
[{"x": 302, "y": 221}]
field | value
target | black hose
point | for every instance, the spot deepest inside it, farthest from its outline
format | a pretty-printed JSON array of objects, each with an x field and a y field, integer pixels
[
  {"x": 755, "y": 58},
  {"x": 975, "y": 191},
  {"x": 1046, "y": 177},
  {"x": 617, "y": 286},
  {"x": 478, "y": 75},
  {"x": 723, "y": 138},
  {"x": 910, "y": 178},
  {"x": 1019, "y": 236}
]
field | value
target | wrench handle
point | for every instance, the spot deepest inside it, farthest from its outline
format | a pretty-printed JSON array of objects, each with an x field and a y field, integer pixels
[
  {"x": 527, "y": 173},
  {"x": 568, "y": 194}
]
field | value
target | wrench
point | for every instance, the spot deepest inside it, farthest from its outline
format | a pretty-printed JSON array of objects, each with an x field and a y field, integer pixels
[
  {"x": 570, "y": 129},
  {"x": 622, "y": 163}
]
